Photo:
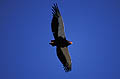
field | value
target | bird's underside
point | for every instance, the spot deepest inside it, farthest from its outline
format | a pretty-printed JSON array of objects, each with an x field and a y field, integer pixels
[{"x": 60, "y": 40}]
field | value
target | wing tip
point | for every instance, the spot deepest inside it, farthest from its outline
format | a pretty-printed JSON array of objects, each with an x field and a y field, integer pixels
[
  {"x": 55, "y": 10},
  {"x": 67, "y": 68}
]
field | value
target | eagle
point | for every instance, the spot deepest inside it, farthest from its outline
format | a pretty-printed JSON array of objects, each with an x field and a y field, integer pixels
[{"x": 60, "y": 41}]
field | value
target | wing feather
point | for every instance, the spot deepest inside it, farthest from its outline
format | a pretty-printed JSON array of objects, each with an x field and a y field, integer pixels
[
  {"x": 64, "y": 57},
  {"x": 57, "y": 23}
]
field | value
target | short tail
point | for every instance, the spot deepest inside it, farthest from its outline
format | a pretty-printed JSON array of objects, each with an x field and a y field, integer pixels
[{"x": 53, "y": 43}]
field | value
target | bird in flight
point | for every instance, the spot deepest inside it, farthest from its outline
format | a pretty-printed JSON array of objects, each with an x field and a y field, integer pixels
[{"x": 60, "y": 41}]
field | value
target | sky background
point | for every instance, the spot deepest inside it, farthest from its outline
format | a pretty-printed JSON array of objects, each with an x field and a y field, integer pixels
[{"x": 25, "y": 32}]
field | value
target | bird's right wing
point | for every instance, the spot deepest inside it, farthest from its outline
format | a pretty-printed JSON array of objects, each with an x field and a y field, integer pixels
[
  {"x": 57, "y": 23},
  {"x": 64, "y": 57}
]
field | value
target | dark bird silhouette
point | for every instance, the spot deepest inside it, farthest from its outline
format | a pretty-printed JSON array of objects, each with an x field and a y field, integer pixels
[{"x": 60, "y": 40}]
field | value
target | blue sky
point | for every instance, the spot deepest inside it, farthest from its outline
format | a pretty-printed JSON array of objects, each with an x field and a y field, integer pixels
[{"x": 25, "y": 31}]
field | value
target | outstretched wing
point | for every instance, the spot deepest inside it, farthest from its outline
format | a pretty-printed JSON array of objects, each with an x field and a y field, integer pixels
[
  {"x": 57, "y": 23},
  {"x": 64, "y": 57}
]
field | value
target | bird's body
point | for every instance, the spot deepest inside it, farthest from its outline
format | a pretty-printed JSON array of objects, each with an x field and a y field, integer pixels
[{"x": 60, "y": 40}]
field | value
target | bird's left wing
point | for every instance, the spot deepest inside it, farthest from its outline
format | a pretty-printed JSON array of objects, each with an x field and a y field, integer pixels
[{"x": 64, "y": 57}]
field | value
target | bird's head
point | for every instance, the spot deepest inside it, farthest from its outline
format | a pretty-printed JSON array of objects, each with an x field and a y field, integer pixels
[{"x": 69, "y": 43}]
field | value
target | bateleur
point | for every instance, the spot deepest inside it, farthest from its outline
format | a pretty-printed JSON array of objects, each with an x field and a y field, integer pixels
[{"x": 60, "y": 40}]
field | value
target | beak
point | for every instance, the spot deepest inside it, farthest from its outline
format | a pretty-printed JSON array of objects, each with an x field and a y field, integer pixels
[{"x": 70, "y": 42}]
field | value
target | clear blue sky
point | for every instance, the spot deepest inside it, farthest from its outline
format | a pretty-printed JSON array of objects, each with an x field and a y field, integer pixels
[{"x": 25, "y": 31}]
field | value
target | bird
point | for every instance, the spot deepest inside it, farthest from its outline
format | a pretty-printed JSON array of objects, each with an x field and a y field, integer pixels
[{"x": 60, "y": 41}]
